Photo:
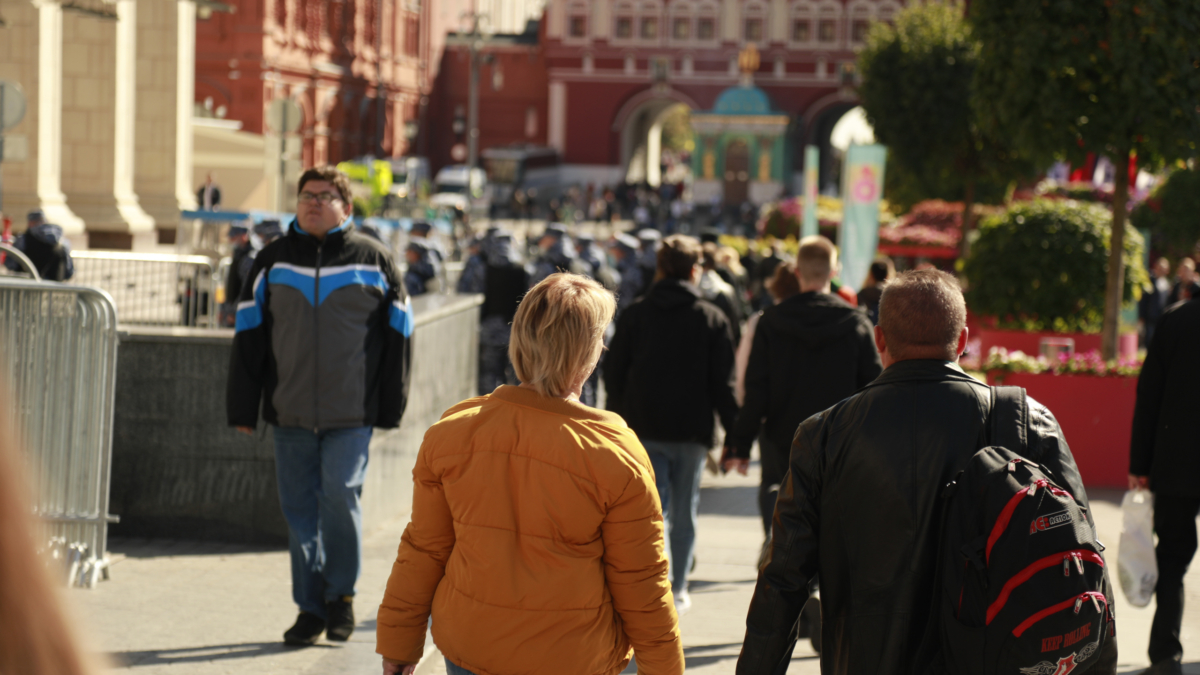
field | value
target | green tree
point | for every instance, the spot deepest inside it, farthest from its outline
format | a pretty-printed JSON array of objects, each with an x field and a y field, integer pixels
[
  {"x": 916, "y": 91},
  {"x": 1172, "y": 213},
  {"x": 1062, "y": 78}
]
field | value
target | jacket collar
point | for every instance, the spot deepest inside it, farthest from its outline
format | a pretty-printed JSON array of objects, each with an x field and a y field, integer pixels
[
  {"x": 557, "y": 406},
  {"x": 923, "y": 370},
  {"x": 336, "y": 233}
]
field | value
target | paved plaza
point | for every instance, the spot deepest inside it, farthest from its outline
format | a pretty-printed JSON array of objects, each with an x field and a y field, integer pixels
[{"x": 207, "y": 609}]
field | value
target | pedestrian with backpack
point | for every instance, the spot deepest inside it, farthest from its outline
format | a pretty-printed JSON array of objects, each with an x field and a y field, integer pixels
[{"x": 936, "y": 552}]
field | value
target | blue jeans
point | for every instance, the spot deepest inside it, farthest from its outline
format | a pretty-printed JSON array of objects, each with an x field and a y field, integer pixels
[
  {"x": 320, "y": 479},
  {"x": 677, "y": 470},
  {"x": 452, "y": 669}
]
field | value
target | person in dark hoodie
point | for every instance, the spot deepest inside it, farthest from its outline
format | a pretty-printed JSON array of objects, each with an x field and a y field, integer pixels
[
  {"x": 45, "y": 247},
  {"x": 809, "y": 352},
  {"x": 668, "y": 369},
  {"x": 505, "y": 283},
  {"x": 423, "y": 263}
]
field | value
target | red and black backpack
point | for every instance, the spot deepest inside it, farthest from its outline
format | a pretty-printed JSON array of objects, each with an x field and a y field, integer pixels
[{"x": 1021, "y": 573}]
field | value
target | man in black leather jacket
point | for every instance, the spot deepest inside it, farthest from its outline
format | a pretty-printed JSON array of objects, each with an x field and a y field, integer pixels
[{"x": 861, "y": 508}]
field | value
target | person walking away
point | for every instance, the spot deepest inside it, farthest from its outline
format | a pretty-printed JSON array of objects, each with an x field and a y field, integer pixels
[
  {"x": 861, "y": 503},
  {"x": 422, "y": 231},
  {"x": 424, "y": 267},
  {"x": 783, "y": 285},
  {"x": 669, "y": 368},
  {"x": 556, "y": 254},
  {"x": 880, "y": 272},
  {"x": 323, "y": 345},
  {"x": 239, "y": 241},
  {"x": 44, "y": 245},
  {"x": 649, "y": 241},
  {"x": 473, "y": 277},
  {"x": 536, "y": 539},
  {"x": 809, "y": 352},
  {"x": 1185, "y": 274},
  {"x": 504, "y": 286},
  {"x": 208, "y": 196},
  {"x": 1163, "y": 458},
  {"x": 717, "y": 291},
  {"x": 624, "y": 249},
  {"x": 1154, "y": 299}
]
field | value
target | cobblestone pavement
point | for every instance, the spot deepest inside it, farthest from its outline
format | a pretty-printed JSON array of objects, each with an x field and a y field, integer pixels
[{"x": 181, "y": 607}]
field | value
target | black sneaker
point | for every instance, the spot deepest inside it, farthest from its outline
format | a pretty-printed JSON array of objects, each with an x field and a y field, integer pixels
[
  {"x": 341, "y": 618},
  {"x": 305, "y": 631}
]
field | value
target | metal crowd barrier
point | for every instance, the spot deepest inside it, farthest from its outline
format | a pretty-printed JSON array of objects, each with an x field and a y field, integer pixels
[
  {"x": 151, "y": 288},
  {"x": 59, "y": 372}
]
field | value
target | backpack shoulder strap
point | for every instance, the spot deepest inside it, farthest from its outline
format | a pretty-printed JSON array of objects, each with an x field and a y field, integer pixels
[{"x": 1008, "y": 423}]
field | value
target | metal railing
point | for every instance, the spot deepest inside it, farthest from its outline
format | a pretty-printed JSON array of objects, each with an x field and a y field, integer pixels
[
  {"x": 8, "y": 251},
  {"x": 59, "y": 371},
  {"x": 151, "y": 288}
]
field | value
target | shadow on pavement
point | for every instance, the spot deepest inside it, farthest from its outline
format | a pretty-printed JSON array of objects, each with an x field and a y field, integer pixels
[
  {"x": 701, "y": 586},
  {"x": 247, "y": 650},
  {"x": 734, "y": 500},
  {"x": 162, "y": 548}
]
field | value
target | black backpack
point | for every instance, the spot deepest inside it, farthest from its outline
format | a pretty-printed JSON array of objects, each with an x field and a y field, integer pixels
[{"x": 1021, "y": 584}]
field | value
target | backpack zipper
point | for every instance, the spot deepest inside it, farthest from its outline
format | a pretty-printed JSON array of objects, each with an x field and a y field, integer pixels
[
  {"x": 1077, "y": 601},
  {"x": 1006, "y": 515},
  {"x": 1079, "y": 556}
]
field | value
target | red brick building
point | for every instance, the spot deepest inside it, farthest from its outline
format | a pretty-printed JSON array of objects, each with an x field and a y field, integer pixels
[
  {"x": 513, "y": 91},
  {"x": 359, "y": 69},
  {"x": 616, "y": 67}
]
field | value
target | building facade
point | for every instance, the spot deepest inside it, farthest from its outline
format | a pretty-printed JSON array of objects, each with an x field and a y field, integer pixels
[
  {"x": 617, "y": 66},
  {"x": 104, "y": 148}
]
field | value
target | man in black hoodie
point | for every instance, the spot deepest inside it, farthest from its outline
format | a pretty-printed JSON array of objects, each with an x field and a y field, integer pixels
[
  {"x": 669, "y": 367},
  {"x": 809, "y": 352}
]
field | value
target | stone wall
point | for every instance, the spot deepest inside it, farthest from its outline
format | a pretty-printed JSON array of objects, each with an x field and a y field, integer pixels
[{"x": 180, "y": 472}]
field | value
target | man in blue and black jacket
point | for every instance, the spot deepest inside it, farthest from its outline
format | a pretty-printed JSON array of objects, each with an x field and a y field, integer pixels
[{"x": 323, "y": 342}]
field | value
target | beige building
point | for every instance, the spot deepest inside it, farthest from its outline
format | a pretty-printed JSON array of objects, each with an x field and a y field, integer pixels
[{"x": 105, "y": 147}]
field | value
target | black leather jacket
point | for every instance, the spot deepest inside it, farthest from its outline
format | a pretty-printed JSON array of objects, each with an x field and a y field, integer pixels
[{"x": 861, "y": 508}]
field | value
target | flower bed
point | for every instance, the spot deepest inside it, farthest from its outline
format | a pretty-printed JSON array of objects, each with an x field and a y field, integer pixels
[{"x": 1092, "y": 399}]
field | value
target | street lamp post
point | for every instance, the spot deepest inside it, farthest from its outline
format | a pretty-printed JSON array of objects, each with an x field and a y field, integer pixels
[{"x": 475, "y": 45}]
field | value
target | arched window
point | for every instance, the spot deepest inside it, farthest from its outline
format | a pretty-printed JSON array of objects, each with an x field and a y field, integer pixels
[
  {"x": 649, "y": 19},
  {"x": 887, "y": 11},
  {"x": 829, "y": 16},
  {"x": 577, "y": 21},
  {"x": 707, "y": 22},
  {"x": 623, "y": 23},
  {"x": 681, "y": 22},
  {"x": 802, "y": 31},
  {"x": 860, "y": 23},
  {"x": 754, "y": 23}
]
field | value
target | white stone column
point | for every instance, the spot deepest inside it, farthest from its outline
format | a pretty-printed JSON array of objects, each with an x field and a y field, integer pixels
[
  {"x": 654, "y": 153},
  {"x": 184, "y": 102},
  {"x": 50, "y": 196},
  {"x": 125, "y": 118},
  {"x": 556, "y": 126}
]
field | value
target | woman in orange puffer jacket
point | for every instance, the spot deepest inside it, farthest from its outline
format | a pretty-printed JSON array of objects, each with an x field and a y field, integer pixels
[{"x": 536, "y": 539}]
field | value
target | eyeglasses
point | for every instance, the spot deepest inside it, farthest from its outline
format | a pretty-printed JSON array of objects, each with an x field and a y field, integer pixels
[{"x": 323, "y": 197}]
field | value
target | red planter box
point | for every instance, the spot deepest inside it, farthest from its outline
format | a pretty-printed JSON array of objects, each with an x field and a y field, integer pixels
[
  {"x": 1030, "y": 343},
  {"x": 1096, "y": 415}
]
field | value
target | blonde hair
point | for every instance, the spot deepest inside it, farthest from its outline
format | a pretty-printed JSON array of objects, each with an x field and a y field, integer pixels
[
  {"x": 556, "y": 330},
  {"x": 37, "y": 637},
  {"x": 816, "y": 259}
]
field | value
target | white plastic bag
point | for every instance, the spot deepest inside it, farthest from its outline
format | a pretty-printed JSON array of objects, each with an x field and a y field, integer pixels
[{"x": 1137, "y": 568}]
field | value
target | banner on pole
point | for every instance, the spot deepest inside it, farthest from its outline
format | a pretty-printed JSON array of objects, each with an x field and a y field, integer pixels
[
  {"x": 812, "y": 167},
  {"x": 862, "y": 180}
]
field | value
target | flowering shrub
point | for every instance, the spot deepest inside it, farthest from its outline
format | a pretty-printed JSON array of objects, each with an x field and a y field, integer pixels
[
  {"x": 1001, "y": 362},
  {"x": 919, "y": 235},
  {"x": 782, "y": 219},
  {"x": 1082, "y": 191}
]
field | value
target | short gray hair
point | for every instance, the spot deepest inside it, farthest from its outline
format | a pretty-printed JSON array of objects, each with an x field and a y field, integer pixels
[{"x": 921, "y": 314}]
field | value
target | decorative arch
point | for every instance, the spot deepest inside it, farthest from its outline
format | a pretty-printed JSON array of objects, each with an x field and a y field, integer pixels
[{"x": 636, "y": 101}]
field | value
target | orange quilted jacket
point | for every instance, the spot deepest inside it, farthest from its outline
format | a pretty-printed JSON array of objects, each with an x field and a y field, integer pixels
[{"x": 536, "y": 542}]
